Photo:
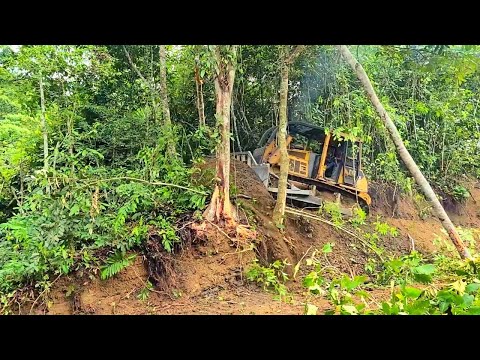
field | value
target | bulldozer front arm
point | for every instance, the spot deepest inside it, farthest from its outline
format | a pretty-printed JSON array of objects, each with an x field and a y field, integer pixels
[{"x": 274, "y": 158}]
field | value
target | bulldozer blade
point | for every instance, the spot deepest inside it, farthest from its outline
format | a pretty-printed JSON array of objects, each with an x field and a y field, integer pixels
[
  {"x": 262, "y": 172},
  {"x": 296, "y": 191}
]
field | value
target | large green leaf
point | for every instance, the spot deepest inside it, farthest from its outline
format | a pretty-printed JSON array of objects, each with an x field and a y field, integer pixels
[
  {"x": 412, "y": 292},
  {"x": 472, "y": 288},
  {"x": 427, "y": 269}
]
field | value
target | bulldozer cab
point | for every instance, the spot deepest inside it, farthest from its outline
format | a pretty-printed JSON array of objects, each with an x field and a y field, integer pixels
[
  {"x": 317, "y": 157},
  {"x": 314, "y": 153},
  {"x": 343, "y": 158}
]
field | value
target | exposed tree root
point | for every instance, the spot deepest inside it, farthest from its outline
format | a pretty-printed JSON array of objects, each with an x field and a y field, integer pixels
[{"x": 160, "y": 265}]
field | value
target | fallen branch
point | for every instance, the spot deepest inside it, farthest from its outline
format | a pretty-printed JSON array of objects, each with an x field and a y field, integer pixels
[
  {"x": 244, "y": 196},
  {"x": 53, "y": 282},
  {"x": 297, "y": 267},
  {"x": 412, "y": 241},
  {"x": 185, "y": 225},
  {"x": 251, "y": 248},
  {"x": 223, "y": 232},
  {"x": 156, "y": 183}
]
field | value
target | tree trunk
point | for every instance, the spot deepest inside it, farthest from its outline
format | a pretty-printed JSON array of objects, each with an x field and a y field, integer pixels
[
  {"x": 164, "y": 98},
  {"x": 43, "y": 123},
  {"x": 286, "y": 59},
  {"x": 279, "y": 211},
  {"x": 200, "y": 102},
  {"x": 221, "y": 210},
  {"x": 404, "y": 154},
  {"x": 152, "y": 81}
]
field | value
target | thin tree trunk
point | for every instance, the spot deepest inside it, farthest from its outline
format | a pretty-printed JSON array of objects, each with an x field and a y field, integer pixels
[
  {"x": 286, "y": 59},
  {"x": 164, "y": 98},
  {"x": 279, "y": 211},
  {"x": 221, "y": 209},
  {"x": 404, "y": 154},
  {"x": 43, "y": 123},
  {"x": 200, "y": 102},
  {"x": 152, "y": 80}
]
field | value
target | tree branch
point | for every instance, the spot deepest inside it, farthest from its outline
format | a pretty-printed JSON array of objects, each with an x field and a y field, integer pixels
[
  {"x": 157, "y": 183},
  {"x": 136, "y": 69},
  {"x": 294, "y": 54}
]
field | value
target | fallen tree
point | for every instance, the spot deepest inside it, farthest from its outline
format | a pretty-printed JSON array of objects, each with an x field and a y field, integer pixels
[{"x": 404, "y": 154}]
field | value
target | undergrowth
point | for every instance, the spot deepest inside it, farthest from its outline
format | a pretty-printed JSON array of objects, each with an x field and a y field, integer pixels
[
  {"x": 93, "y": 220},
  {"x": 417, "y": 285},
  {"x": 272, "y": 277},
  {"x": 414, "y": 284}
]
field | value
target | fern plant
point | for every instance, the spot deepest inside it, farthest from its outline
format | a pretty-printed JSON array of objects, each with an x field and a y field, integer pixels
[{"x": 115, "y": 264}]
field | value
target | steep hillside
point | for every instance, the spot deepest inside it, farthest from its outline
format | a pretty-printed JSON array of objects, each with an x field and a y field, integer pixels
[{"x": 209, "y": 277}]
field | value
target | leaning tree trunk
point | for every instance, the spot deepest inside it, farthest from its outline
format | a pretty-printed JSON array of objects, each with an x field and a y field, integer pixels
[
  {"x": 286, "y": 59},
  {"x": 43, "y": 123},
  {"x": 220, "y": 209},
  {"x": 404, "y": 154},
  {"x": 164, "y": 98},
  {"x": 279, "y": 211}
]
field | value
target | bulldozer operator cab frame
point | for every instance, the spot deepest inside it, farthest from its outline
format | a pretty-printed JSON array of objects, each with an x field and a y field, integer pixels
[{"x": 312, "y": 149}]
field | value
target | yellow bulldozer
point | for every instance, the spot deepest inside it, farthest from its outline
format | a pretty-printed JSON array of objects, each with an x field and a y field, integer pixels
[{"x": 319, "y": 164}]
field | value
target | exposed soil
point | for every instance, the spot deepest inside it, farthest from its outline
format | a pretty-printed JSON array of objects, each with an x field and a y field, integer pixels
[
  {"x": 466, "y": 213},
  {"x": 209, "y": 277},
  {"x": 219, "y": 290}
]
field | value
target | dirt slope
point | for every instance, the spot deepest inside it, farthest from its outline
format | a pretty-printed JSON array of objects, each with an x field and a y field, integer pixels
[{"x": 210, "y": 276}]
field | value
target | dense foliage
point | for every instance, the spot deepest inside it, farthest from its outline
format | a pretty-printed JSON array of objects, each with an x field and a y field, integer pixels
[{"x": 108, "y": 182}]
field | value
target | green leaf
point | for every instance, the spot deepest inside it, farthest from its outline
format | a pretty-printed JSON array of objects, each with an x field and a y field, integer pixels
[
  {"x": 468, "y": 300},
  {"x": 471, "y": 288},
  {"x": 74, "y": 210},
  {"x": 474, "y": 310},
  {"x": 426, "y": 269},
  {"x": 349, "y": 284},
  {"x": 386, "y": 308},
  {"x": 443, "y": 306},
  {"x": 311, "y": 309},
  {"x": 327, "y": 248},
  {"x": 310, "y": 279},
  {"x": 412, "y": 292},
  {"x": 423, "y": 278},
  {"x": 449, "y": 297},
  {"x": 395, "y": 264},
  {"x": 418, "y": 307}
]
